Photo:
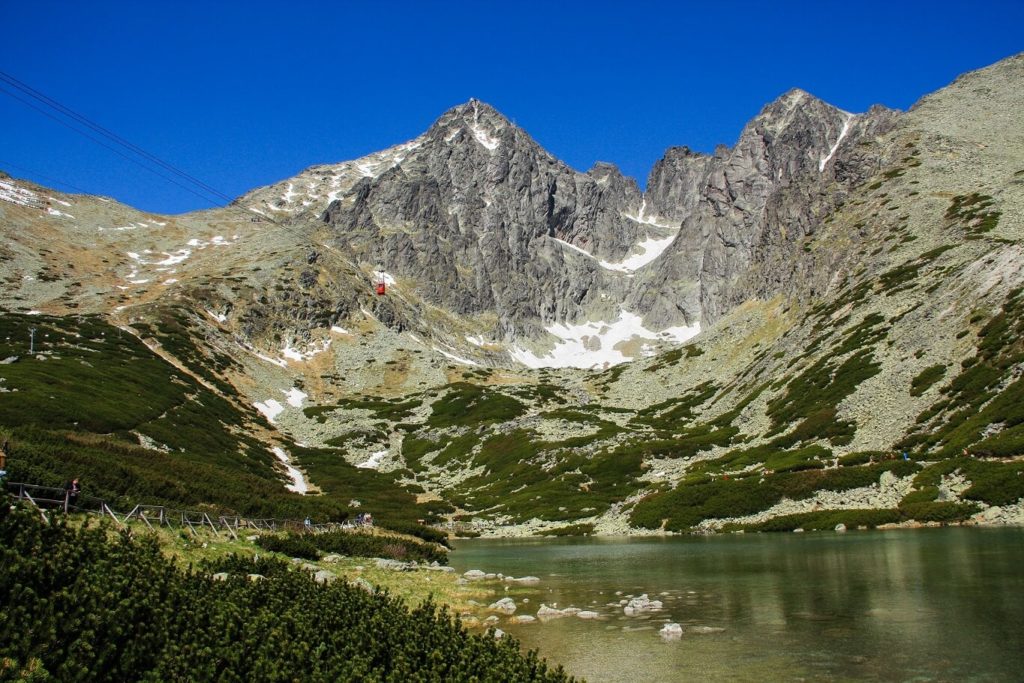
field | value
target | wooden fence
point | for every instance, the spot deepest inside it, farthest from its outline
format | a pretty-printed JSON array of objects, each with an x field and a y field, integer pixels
[{"x": 50, "y": 499}]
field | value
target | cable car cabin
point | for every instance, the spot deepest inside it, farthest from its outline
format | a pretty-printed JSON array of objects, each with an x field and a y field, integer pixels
[{"x": 381, "y": 288}]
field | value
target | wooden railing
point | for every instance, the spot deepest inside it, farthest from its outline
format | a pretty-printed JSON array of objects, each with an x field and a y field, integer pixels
[{"x": 50, "y": 499}]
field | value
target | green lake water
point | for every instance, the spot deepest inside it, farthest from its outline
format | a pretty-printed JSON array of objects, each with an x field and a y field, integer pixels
[{"x": 908, "y": 605}]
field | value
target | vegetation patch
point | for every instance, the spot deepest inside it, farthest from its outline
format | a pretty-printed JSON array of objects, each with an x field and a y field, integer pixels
[
  {"x": 703, "y": 498},
  {"x": 926, "y": 378},
  {"x": 823, "y": 520},
  {"x": 985, "y": 393},
  {"x": 571, "y": 530},
  {"x": 974, "y": 213},
  {"x": 467, "y": 404},
  {"x": 812, "y": 397},
  {"x": 69, "y": 613},
  {"x": 353, "y": 543}
]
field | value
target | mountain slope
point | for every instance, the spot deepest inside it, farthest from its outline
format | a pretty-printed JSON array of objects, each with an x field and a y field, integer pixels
[{"x": 854, "y": 278}]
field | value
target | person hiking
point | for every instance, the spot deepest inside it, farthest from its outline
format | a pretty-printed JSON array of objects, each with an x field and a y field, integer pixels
[{"x": 71, "y": 491}]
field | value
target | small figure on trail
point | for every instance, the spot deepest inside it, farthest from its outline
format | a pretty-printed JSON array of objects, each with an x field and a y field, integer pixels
[
  {"x": 905, "y": 456},
  {"x": 308, "y": 523},
  {"x": 71, "y": 491}
]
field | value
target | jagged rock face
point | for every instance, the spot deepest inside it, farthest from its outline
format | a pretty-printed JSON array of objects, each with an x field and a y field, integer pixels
[
  {"x": 471, "y": 217},
  {"x": 745, "y": 211},
  {"x": 478, "y": 219}
]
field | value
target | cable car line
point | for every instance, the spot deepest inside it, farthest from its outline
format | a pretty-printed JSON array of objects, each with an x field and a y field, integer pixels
[
  {"x": 103, "y": 144},
  {"x": 379, "y": 283},
  {"x": 114, "y": 137}
]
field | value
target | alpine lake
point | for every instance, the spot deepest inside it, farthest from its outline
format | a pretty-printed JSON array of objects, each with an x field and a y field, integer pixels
[{"x": 944, "y": 604}]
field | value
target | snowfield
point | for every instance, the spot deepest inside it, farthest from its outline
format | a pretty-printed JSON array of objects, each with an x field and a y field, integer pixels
[{"x": 596, "y": 345}]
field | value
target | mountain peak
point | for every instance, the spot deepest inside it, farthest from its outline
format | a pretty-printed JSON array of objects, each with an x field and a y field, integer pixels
[
  {"x": 477, "y": 112},
  {"x": 478, "y": 120}
]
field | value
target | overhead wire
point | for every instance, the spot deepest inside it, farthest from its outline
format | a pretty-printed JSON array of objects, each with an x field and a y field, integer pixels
[
  {"x": 205, "y": 191},
  {"x": 72, "y": 114},
  {"x": 101, "y": 143},
  {"x": 135, "y": 149}
]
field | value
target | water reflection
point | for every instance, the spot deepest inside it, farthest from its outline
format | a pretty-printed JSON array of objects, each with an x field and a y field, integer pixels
[{"x": 943, "y": 604}]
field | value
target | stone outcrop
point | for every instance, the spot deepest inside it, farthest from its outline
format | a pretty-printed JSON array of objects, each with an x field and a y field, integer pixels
[{"x": 744, "y": 212}]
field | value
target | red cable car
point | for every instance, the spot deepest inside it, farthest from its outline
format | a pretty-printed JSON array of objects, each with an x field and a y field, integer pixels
[{"x": 381, "y": 288}]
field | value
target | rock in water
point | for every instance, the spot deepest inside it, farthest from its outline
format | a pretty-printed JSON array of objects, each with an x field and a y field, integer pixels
[
  {"x": 671, "y": 632},
  {"x": 505, "y": 605},
  {"x": 641, "y": 604}
]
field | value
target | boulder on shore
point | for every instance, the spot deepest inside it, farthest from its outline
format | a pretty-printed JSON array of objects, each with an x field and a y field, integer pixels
[{"x": 324, "y": 577}]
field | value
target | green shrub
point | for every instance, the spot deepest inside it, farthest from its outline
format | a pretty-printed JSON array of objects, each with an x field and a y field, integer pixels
[
  {"x": 472, "y": 405},
  {"x": 571, "y": 530},
  {"x": 292, "y": 545},
  {"x": 936, "y": 511},
  {"x": 926, "y": 378},
  {"x": 860, "y": 458},
  {"x": 91, "y": 608},
  {"x": 426, "y": 533},
  {"x": 826, "y": 520},
  {"x": 924, "y": 495}
]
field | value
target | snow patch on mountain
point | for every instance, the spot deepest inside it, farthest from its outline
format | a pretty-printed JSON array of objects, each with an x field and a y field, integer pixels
[
  {"x": 596, "y": 345},
  {"x": 270, "y": 408},
  {"x": 299, "y": 483},
  {"x": 650, "y": 249},
  {"x": 294, "y": 397},
  {"x": 292, "y": 353},
  {"x": 9, "y": 192},
  {"x": 374, "y": 460},
  {"x": 842, "y": 134},
  {"x": 457, "y": 359},
  {"x": 54, "y": 212},
  {"x": 480, "y": 133}
]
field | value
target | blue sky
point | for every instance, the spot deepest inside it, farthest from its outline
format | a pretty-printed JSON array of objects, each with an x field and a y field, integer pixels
[{"x": 242, "y": 94}]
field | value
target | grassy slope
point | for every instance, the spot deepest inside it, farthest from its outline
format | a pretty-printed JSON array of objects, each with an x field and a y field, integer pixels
[{"x": 78, "y": 406}]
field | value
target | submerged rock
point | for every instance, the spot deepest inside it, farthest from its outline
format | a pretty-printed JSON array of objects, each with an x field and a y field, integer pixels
[
  {"x": 525, "y": 580},
  {"x": 545, "y": 613},
  {"x": 641, "y": 604},
  {"x": 505, "y": 605},
  {"x": 671, "y": 632}
]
